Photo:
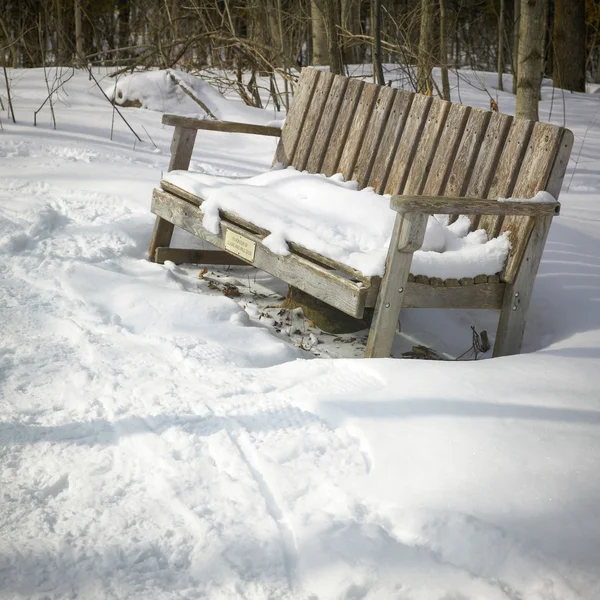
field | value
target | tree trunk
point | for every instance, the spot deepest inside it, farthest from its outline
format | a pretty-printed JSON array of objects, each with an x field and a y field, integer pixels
[
  {"x": 501, "y": 46},
  {"x": 426, "y": 54},
  {"x": 444, "y": 51},
  {"x": 336, "y": 62},
  {"x": 320, "y": 47},
  {"x": 79, "y": 56},
  {"x": 530, "y": 64},
  {"x": 516, "y": 26},
  {"x": 569, "y": 45},
  {"x": 376, "y": 24}
]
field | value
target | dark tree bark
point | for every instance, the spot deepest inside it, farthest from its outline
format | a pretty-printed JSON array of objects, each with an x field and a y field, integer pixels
[{"x": 569, "y": 45}]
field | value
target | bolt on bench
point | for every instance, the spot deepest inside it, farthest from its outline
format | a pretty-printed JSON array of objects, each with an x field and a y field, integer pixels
[{"x": 432, "y": 157}]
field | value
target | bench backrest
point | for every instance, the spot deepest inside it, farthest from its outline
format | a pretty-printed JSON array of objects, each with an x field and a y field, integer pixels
[{"x": 400, "y": 142}]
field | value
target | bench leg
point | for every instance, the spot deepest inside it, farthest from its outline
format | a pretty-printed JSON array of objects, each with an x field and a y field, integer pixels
[
  {"x": 408, "y": 234},
  {"x": 161, "y": 237},
  {"x": 517, "y": 295}
]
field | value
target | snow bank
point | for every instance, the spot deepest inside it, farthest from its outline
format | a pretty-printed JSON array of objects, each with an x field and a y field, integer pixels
[
  {"x": 332, "y": 217},
  {"x": 157, "y": 90}
]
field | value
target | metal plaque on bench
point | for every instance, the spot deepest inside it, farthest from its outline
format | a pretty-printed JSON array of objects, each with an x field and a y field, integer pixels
[{"x": 239, "y": 245}]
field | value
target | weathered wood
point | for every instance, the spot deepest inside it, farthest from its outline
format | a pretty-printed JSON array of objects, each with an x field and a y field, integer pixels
[
  {"x": 224, "y": 126},
  {"x": 533, "y": 177},
  {"x": 483, "y": 295},
  {"x": 196, "y": 256},
  {"x": 517, "y": 296},
  {"x": 408, "y": 235},
  {"x": 182, "y": 147},
  {"x": 443, "y": 205},
  {"x": 322, "y": 283},
  {"x": 327, "y": 124},
  {"x": 360, "y": 124},
  {"x": 390, "y": 139},
  {"x": 507, "y": 169},
  {"x": 342, "y": 127},
  {"x": 408, "y": 144},
  {"x": 312, "y": 121},
  {"x": 292, "y": 128},
  {"x": 373, "y": 134},
  {"x": 443, "y": 158},
  {"x": 428, "y": 144}
]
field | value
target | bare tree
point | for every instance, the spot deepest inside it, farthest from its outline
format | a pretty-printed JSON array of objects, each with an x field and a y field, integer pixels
[
  {"x": 426, "y": 54},
  {"x": 531, "y": 58},
  {"x": 501, "y": 46},
  {"x": 569, "y": 45}
]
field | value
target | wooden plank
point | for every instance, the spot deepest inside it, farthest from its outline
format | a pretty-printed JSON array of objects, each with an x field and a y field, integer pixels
[
  {"x": 408, "y": 144},
  {"x": 462, "y": 168},
  {"x": 533, "y": 177},
  {"x": 224, "y": 126},
  {"x": 484, "y": 295},
  {"x": 292, "y": 128},
  {"x": 447, "y": 149},
  {"x": 196, "y": 256},
  {"x": 356, "y": 134},
  {"x": 182, "y": 146},
  {"x": 322, "y": 283},
  {"x": 390, "y": 139},
  {"x": 327, "y": 124},
  {"x": 342, "y": 127},
  {"x": 407, "y": 236},
  {"x": 312, "y": 121},
  {"x": 518, "y": 293},
  {"x": 421, "y": 164},
  {"x": 443, "y": 205},
  {"x": 370, "y": 143},
  {"x": 507, "y": 169}
]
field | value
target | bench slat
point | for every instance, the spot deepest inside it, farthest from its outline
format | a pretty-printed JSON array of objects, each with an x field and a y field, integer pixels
[
  {"x": 421, "y": 163},
  {"x": 390, "y": 139},
  {"x": 407, "y": 146},
  {"x": 294, "y": 121},
  {"x": 312, "y": 121},
  {"x": 507, "y": 170},
  {"x": 326, "y": 126},
  {"x": 446, "y": 152},
  {"x": 533, "y": 177},
  {"x": 372, "y": 138},
  {"x": 342, "y": 127},
  {"x": 360, "y": 124}
]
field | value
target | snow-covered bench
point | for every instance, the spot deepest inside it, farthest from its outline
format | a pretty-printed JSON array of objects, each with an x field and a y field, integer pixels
[{"x": 432, "y": 157}]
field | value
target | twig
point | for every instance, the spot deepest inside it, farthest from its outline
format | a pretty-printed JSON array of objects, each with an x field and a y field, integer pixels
[
  {"x": 10, "y": 105},
  {"x": 50, "y": 94},
  {"x": 118, "y": 111},
  {"x": 187, "y": 91}
]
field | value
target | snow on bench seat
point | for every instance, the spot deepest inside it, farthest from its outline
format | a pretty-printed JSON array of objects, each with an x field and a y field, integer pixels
[{"x": 332, "y": 217}]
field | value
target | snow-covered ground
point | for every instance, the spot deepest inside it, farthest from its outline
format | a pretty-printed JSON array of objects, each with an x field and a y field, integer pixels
[{"x": 159, "y": 441}]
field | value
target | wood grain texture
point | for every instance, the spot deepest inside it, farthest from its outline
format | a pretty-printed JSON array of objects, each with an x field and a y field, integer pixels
[
  {"x": 407, "y": 236},
  {"x": 484, "y": 295},
  {"x": 326, "y": 127},
  {"x": 388, "y": 145},
  {"x": 295, "y": 270},
  {"x": 507, "y": 170},
  {"x": 312, "y": 122},
  {"x": 408, "y": 144},
  {"x": 445, "y": 154},
  {"x": 360, "y": 124},
  {"x": 444, "y": 205},
  {"x": 372, "y": 138},
  {"x": 342, "y": 127},
  {"x": 224, "y": 126},
  {"x": 292, "y": 128},
  {"x": 533, "y": 176},
  {"x": 427, "y": 147}
]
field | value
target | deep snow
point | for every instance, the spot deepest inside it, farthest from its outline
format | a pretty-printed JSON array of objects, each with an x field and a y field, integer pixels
[{"x": 157, "y": 441}]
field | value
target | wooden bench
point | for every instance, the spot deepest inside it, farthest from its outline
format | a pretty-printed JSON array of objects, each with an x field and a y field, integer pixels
[{"x": 433, "y": 157}]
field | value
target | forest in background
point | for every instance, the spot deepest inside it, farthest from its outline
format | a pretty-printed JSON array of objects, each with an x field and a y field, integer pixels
[{"x": 243, "y": 43}]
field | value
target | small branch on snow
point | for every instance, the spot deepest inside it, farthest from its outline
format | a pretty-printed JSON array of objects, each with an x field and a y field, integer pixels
[{"x": 184, "y": 86}]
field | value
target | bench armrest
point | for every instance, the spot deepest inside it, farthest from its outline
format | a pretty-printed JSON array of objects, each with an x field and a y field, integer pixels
[
  {"x": 447, "y": 205},
  {"x": 227, "y": 126}
]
